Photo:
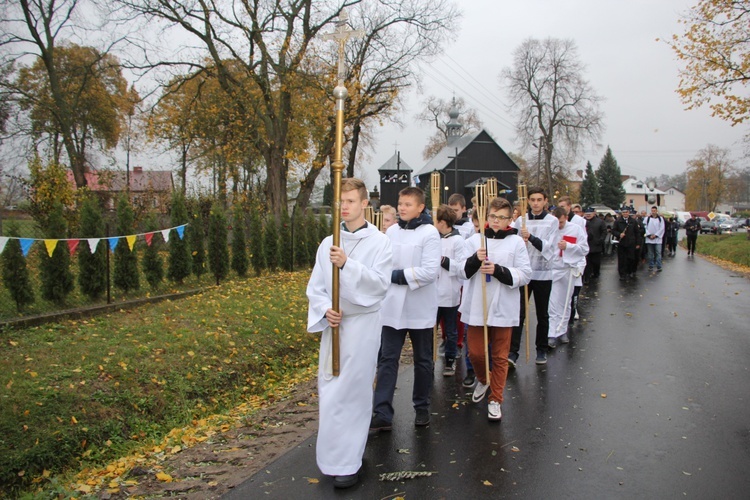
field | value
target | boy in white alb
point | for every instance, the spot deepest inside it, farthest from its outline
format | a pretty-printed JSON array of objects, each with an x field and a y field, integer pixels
[
  {"x": 345, "y": 401},
  {"x": 449, "y": 286},
  {"x": 505, "y": 261},
  {"x": 410, "y": 307},
  {"x": 567, "y": 264},
  {"x": 457, "y": 203}
]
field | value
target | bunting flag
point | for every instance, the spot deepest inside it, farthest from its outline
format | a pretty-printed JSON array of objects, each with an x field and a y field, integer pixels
[
  {"x": 93, "y": 244},
  {"x": 72, "y": 245},
  {"x": 51, "y": 245},
  {"x": 113, "y": 243},
  {"x": 26, "y": 245}
]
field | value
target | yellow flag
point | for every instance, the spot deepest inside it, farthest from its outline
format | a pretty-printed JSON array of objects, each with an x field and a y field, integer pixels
[
  {"x": 51, "y": 245},
  {"x": 131, "y": 241}
]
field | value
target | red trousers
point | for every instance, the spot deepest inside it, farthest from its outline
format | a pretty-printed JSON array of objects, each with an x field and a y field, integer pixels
[{"x": 499, "y": 338}]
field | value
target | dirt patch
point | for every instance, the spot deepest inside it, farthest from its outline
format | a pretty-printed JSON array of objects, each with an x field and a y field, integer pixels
[{"x": 210, "y": 469}]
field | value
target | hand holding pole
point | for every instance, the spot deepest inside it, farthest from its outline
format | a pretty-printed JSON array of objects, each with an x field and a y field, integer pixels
[
  {"x": 435, "y": 192},
  {"x": 481, "y": 208}
]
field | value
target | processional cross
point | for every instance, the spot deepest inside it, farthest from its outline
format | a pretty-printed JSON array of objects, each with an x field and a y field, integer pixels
[{"x": 341, "y": 34}]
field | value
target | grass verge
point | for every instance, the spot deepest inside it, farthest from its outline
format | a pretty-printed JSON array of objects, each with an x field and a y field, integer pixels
[
  {"x": 734, "y": 248},
  {"x": 84, "y": 393}
]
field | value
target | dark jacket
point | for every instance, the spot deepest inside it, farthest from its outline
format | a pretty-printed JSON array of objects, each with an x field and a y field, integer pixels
[
  {"x": 596, "y": 229},
  {"x": 692, "y": 226},
  {"x": 632, "y": 229}
]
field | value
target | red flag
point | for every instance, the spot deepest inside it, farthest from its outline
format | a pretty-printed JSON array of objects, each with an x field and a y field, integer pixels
[
  {"x": 569, "y": 239},
  {"x": 149, "y": 237},
  {"x": 72, "y": 245}
]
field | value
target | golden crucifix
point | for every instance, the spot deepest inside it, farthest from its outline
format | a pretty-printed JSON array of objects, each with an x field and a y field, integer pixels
[{"x": 340, "y": 35}]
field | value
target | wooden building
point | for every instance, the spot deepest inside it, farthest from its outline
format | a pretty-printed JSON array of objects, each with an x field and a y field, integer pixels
[{"x": 395, "y": 175}]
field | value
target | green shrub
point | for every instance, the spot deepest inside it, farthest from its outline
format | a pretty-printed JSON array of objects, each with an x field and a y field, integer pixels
[
  {"x": 126, "y": 260},
  {"x": 179, "y": 249},
  {"x": 218, "y": 252},
  {"x": 239, "y": 251},
  {"x": 92, "y": 267},
  {"x": 153, "y": 264},
  {"x": 271, "y": 243},
  {"x": 256, "y": 242},
  {"x": 15, "y": 273},
  {"x": 57, "y": 280}
]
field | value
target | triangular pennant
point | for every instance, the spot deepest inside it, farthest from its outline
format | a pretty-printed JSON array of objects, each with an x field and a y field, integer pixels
[
  {"x": 3, "y": 241},
  {"x": 113, "y": 242},
  {"x": 181, "y": 231},
  {"x": 165, "y": 235},
  {"x": 72, "y": 245},
  {"x": 51, "y": 245},
  {"x": 149, "y": 237},
  {"x": 26, "y": 245},
  {"x": 93, "y": 244},
  {"x": 131, "y": 241}
]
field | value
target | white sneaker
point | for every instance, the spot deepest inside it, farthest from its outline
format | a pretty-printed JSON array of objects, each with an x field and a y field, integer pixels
[
  {"x": 479, "y": 391},
  {"x": 493, "y": 411}
]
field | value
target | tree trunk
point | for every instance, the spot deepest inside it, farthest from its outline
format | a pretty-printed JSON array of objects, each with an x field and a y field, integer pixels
[
  {"x": 354, "y": 143},
  {"x": 276, "y": 179}
]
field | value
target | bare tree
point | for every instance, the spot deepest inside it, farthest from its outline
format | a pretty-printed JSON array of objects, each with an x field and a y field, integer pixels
[
  {"x": 435, "y": 113},
  {"x": 553, "y": 101}
]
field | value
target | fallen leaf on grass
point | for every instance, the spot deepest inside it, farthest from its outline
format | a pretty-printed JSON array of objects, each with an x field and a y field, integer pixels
[
  {"x": 486, "y": 483},
  {"x": 514, "y": 448},
  {"x": 312, "y": 480},
  {"x": 604, "y": 395},
  {"x": 164, "y": 477},
  {"x": 403, "y": 451}
]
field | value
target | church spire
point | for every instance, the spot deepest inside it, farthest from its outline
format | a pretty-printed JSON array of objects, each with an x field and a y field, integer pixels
[{"x": 453, "y": 127}]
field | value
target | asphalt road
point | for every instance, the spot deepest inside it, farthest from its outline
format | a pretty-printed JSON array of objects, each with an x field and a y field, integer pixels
[{"x": 651, "y": 399}]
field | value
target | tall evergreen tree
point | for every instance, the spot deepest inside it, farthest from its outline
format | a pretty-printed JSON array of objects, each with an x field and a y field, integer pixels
[
  {"x": 218, "y": 251},
  {"x": 153, "y": 264},
  {"x": 15, "y": 273},
  {"x": 240, "y": 263},
  {"x": 271, "y": 242},
  {"x": 57, "y": 280},
  {"x": 256, "y": 242},
  {"x": 92, "y": 267},
  {"x": 589, "y": 187},
  {"x": 300, "y": 240},
  {"x": 126, "y": 261},
  {"x": 286, "y": 250},
  {"x": 179, "y": 248},
  {"x": 311, "y": 227},
  {"x": 196, "y": 238},
  {"x": 609, "y": 177}
]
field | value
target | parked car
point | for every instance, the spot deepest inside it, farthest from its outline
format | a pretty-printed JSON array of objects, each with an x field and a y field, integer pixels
[
  {"x": 710, "y": 227},
  {"x": 727, "y": 225}
]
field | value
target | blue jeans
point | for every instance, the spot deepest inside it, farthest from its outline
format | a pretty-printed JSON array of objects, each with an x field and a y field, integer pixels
[
  {"x": 391, "y": 344},
  {"x": 449, "y": 316},
  {"x": 469, "y": 367},
  {"x": 654, "y": 254}
]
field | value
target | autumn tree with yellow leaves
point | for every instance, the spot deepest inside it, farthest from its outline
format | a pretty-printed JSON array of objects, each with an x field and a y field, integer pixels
[
  {"x": 707, "y": 175},
  {"x": 715, "y": 50}
]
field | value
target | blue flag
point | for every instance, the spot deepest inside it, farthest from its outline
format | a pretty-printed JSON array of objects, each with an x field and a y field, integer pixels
[
  {"x": 26, "y": 245},
  {"x": 180, "y": 231},
  {"x": 113, "y": 243}
]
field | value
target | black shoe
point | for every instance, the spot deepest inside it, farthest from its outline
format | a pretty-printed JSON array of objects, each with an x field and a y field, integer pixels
[
  {"x": 469, "y": 380},
  {"x": 450, "y": 368},
  {"x": 541, "y": 357},
  {"x": 378, "y": 424},
  {"x": 423, "y": 417},
  {"x": 512, "y": 359},
  {"x": 345, "y": 481}
]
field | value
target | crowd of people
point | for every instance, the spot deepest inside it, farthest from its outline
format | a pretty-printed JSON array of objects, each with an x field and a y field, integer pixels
[{"x": 426, "y": 269}]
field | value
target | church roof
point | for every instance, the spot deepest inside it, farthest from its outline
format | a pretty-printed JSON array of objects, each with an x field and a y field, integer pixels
[
  {"x": 443, "y": 158},
  {"x": 393, "y": 164}
]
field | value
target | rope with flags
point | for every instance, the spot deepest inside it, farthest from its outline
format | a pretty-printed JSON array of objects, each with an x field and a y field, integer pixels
[{"x": 112, "y": 241}]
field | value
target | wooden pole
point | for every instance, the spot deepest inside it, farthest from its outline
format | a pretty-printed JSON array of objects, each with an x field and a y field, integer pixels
[
  {"x": 523, "y": 199},
  {"x": 435, "y": 192},
  {"x": 481, "y": 208}
]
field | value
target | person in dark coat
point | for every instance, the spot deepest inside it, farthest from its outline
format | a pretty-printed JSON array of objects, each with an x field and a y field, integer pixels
[
  {"x": 629, "y": 233},
  {"x": 596, "y": 229},
  {"x": 673, "y": 227},
  {"x": 692, "y": 228}
]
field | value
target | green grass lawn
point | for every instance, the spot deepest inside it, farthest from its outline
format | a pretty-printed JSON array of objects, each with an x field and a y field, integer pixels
[
  {"x": 730, "y": 247},
  {"x": 81, "y": 393}
]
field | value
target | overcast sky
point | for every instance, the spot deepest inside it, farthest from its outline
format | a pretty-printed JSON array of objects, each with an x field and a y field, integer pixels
[{"x": 646, "y": 125}]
